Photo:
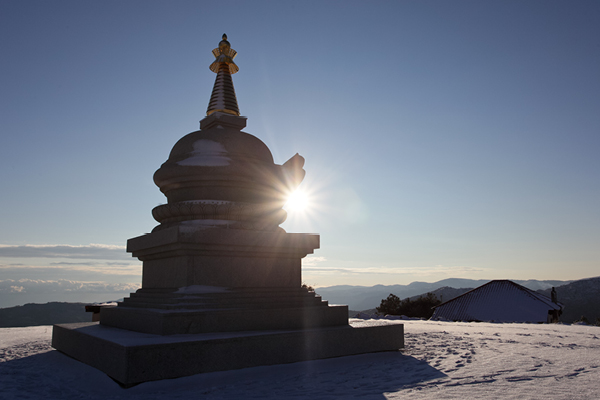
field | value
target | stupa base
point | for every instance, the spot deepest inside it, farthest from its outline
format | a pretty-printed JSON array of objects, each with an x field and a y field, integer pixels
[{"x": 131, "y": 357}]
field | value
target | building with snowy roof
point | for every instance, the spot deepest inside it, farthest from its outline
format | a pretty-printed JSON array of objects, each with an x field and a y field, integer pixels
[{"x": 499, "y": 301}]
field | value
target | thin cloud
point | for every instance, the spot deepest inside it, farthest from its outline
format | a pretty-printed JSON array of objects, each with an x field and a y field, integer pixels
[
  {"x": 97, "y": 268},
  {"x": 310, "y": 261},
  {"x": 39, "y": 286},
  {"x": 423, "y": 271},
  {"x": 91, "y": 263},
  {"x": 91, "y": 251}
]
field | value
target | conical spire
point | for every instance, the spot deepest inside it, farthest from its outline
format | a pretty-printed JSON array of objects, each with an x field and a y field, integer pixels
[{"x": 223, "y": 95}]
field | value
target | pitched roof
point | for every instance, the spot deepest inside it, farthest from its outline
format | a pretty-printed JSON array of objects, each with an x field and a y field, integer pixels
[{"x": 498, "y": 300}]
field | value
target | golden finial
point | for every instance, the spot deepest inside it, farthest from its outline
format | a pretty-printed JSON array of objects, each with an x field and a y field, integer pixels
[
  {"x": 223, "y": 95},
  {"x": 224, "y": 54}
]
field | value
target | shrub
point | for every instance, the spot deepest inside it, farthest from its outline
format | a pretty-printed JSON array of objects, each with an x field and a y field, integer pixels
[
  {"x": 307, "y": 287},
  {"x": 419, "y": 308}
]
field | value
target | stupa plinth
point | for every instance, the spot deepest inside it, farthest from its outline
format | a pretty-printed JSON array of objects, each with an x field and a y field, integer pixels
[{"x": 219, "y": 264}]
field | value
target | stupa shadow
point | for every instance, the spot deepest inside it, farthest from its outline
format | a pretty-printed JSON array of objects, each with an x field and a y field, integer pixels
[{"x": 368, "y": 376}]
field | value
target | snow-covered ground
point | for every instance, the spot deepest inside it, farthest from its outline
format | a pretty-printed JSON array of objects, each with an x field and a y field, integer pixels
[{"x": 442, "y": 360}]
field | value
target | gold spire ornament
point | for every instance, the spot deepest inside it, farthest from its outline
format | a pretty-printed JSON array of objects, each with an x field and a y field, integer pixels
[
  {"x": 224, "y": 54},
  {"x": 223, "y": 97}
]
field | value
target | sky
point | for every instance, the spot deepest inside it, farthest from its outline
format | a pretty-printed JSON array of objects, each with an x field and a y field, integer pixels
[{"x": 442, "y": 139}]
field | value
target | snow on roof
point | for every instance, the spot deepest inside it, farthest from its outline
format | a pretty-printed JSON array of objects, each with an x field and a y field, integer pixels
[{"x": 499, "y": 301}]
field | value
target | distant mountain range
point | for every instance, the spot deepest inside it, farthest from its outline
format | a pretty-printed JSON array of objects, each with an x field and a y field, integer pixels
[
  {"x": 580, "y": 298},
  {"x": 368, "y": 297}
]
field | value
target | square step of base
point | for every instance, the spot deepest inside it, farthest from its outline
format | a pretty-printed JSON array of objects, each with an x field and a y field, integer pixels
[
  {"x": 172, "y": 322},
  {"x": 132, "y": 357}
]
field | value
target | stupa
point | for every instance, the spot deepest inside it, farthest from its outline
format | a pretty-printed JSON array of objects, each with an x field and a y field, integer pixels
[{"x": 221, "y": 284}]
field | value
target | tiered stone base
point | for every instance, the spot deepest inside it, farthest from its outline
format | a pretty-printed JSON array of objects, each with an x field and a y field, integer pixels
[
  {"x": 132, "y": 357},
  {"x": 216, "y": 299},
  {"x": 166, "y": 312}
]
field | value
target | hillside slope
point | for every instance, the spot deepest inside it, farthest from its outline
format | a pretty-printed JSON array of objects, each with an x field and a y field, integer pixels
[
  {"x": 580, "y": 298},
  {"x": 43, "y": 314}
]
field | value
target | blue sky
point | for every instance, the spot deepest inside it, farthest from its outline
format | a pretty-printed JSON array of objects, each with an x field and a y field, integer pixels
[{"x": 442, "y": 139}]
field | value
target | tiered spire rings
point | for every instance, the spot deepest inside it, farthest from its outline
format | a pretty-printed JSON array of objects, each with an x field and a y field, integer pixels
[{"x": 223, "y": 95}]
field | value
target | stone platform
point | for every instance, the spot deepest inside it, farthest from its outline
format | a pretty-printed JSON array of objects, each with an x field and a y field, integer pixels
[
  {"x": 133, "y": 357},
  {"x": 201, "y": 280},
  {"x": 166, "y": 312}
]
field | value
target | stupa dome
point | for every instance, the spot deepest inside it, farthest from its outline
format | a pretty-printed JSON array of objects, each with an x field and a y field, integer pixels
[
  {"x": 219, "y": 146},
  {"x": 220, "y": 176}
]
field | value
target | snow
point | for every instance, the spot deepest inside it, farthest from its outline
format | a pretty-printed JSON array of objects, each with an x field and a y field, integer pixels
[
  {"x": 449, "y": 360},
  {"x": 207, "y": 153},
  {"x": 10, "y": 337}
]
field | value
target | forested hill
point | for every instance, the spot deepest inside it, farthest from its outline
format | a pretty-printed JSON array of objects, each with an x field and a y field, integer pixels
[{"x": 43, "y": 314}]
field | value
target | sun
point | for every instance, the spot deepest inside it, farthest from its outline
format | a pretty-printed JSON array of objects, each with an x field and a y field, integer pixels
[{"x": 297, "y": 201}]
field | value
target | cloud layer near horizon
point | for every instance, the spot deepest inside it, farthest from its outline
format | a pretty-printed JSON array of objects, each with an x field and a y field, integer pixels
[
  {"x": 77, "y": 269},
  {"x": 40, "y": 286},
  {"x": 42, "y": 273},
  {"x": 91, "y": 251},
  {"x": 436, "y": 270}
]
